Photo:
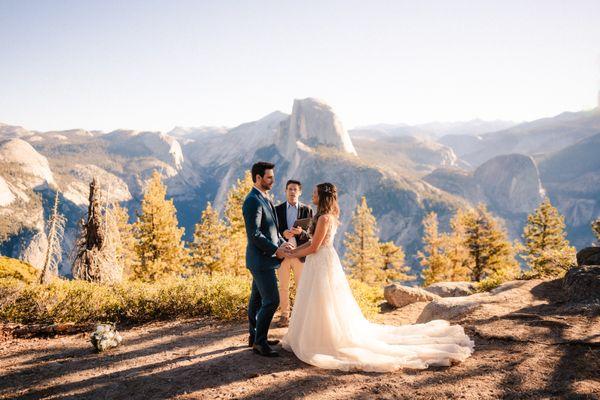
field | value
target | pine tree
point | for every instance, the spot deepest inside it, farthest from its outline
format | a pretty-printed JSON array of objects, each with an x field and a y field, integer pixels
[
  {"x": 363, "y": 256},
  {"x": 548, "y": 252},
  {"x": 158, "y": 238},
  {"x": 596, "y": 228},
  {"x": 125, "y": 252},
  {"x": 446, "y": 258},
  {"x": 393, "y": 266},
  {"x": 460, "y": 262},
  {"x": 433, "y": 260},
  {"x": 491, "y": 253},
  {"x": 53, "y": 256},
  {"x": 210, "y": 241},
  {"x": 235, "y": 253}
]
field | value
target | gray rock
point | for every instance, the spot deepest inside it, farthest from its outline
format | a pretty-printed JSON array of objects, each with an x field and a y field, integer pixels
[
  {"x": 582, "y": 284},
  {"x": 450, "y": 308},
  {"x": 400, "y": 296},
  {"x": 588, "y": 256},
  {"x": 313, "y": 123},
  {"x": 451, "y": 289},
  {"x": 506, "y": 298}
]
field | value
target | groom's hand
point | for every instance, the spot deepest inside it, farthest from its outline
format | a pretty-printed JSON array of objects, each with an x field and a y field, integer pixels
[
  {"x": 283, "y": 250},
  {"x": 288, "y": 234}
]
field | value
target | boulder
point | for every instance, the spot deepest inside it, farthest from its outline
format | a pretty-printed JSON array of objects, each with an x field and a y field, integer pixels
[
  {"x": 451, "y": 289},
  {"x": 588, "y": 256},
  {"x": 582, "y": 284},
  {"x": 506, "y": 298},
  {"x": 400, "y": 296}
]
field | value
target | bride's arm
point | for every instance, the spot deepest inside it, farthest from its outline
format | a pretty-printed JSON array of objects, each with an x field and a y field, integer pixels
[
  {"x": 305, "y": 245},
  {"x": 317, "y": 239}
]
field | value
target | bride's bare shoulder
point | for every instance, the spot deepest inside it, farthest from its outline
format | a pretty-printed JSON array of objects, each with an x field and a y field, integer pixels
[{"x": 327, "y": 218}]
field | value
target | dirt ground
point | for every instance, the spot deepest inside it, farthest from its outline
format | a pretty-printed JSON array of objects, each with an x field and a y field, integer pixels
[{"x": 541, "y": 353}]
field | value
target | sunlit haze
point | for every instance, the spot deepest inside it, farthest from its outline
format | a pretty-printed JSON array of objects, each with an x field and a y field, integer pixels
[{"x": 153, "y": 65}]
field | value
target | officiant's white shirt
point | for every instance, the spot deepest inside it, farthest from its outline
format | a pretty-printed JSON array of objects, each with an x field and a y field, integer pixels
[{"x": 291, "y": 213}]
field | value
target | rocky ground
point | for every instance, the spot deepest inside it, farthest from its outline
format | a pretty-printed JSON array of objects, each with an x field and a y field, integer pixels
[{"x": 542, "y": 349}]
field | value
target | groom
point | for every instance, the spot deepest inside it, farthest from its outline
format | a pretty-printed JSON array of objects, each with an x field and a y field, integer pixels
[{"x": 264, "y": 252}]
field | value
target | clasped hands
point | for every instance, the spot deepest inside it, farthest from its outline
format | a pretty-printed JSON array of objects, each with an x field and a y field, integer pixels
[{"x": 285, "y": 250}]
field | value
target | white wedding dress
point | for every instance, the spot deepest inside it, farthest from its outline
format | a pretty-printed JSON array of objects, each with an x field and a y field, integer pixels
[{"x": 327, "y": 328}]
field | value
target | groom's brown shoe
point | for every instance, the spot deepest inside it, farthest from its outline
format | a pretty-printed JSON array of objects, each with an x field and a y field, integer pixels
[
  {"x": 264, "y": 350},
  {"x": 269, "y": 342}
]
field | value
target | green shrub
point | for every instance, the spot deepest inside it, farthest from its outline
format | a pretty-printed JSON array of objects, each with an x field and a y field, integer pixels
[
  {"x": 222, "y": 296},
  {"x": 62, "y": 301},
  {"x": 218, "y": 295},
  {"x": 17, "y": 269},
  {"x": 489, "y": 283},
  {"x": 368, "y": 297}
]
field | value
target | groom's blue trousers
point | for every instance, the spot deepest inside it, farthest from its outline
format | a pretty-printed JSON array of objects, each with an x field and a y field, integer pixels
[{"x": 264, "y": 300}]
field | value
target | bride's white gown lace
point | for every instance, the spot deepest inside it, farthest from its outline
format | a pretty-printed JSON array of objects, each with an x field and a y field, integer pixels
[{"x": 327, "y": 328}]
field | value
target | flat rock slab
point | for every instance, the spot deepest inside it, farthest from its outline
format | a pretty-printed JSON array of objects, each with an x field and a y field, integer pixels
[
  {"x": 400, "y": 296},
  {"x": 508, "y": 297},
  {"x": 451, "y": 289}
]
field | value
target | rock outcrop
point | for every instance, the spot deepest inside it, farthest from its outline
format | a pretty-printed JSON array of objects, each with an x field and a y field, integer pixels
[
  {"x": 6, "y": 195},
  {"x": 400, "y": 296},
  {"x": 112, "y": 188},
  {"x": 588, "y": 256},
  {"x": 506, "y": 298},
  {"x": 510, "y": 182},
  {"x": 571, "y": 176},
  {"x": 451, "y": 289},
  {"x": 582, "y": 284},
  {"x": 31, "y": 163},
  {"x": 313, "y": 123},
  {"x": 146, "y": 144},
  {"x": 404, "y": 154}
]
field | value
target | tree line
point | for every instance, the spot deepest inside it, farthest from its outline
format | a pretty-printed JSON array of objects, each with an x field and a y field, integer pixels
[{"x": 476, "y": 248}]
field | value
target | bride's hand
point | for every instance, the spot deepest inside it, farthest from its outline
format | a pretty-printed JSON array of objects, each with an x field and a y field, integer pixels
[{"x": 289, "y": 252}]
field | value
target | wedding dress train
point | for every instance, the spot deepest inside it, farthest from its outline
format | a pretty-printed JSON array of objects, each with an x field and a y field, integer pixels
[{"x": 327, "y": 328}]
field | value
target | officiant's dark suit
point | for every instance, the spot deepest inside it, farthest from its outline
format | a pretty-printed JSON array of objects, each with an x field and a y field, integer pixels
[
  {"x": 304, "y": 211},
  {"x": 263, "y": 241}
]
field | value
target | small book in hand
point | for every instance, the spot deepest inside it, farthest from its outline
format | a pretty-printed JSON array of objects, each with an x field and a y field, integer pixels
[{"x": 303, "y": 223}]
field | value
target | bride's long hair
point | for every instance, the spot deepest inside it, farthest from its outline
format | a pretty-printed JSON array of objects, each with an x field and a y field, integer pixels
[{"x": 327, "y": 204}]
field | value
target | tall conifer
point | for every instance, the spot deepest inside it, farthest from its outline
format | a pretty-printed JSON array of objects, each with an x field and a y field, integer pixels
[
  {"x": 548, "y": 252},
  {"x": 158, "y": 237}
]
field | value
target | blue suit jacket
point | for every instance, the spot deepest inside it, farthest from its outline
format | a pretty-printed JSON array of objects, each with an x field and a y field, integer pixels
[{"x": 262, "y": 232}]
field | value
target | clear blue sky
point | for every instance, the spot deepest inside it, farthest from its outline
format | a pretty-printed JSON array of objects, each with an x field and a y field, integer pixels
[{"x": 156, "y": 64}]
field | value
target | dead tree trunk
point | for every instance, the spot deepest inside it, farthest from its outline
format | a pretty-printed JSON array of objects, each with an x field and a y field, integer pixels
[
  {"x": 56, "y": 226},
  {"x": 95, "y": 259}
]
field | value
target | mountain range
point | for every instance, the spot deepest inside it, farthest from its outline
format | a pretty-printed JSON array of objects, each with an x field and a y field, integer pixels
[{"x": 404, "y": 171}]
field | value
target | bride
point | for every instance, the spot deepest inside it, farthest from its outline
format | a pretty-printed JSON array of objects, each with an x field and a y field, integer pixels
[{"x": 327, "y": 328}]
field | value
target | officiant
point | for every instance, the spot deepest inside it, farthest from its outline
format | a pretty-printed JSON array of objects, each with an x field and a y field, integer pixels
[{"x": 293, "y": 217}]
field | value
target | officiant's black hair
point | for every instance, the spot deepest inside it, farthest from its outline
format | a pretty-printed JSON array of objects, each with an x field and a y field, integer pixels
[
  {"x": 259, "y": 169},
  {"x": 293, "y": 182}
]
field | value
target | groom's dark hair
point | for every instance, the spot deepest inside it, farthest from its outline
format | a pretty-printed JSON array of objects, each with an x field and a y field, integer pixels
[{"x": 259, "y": 169}]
